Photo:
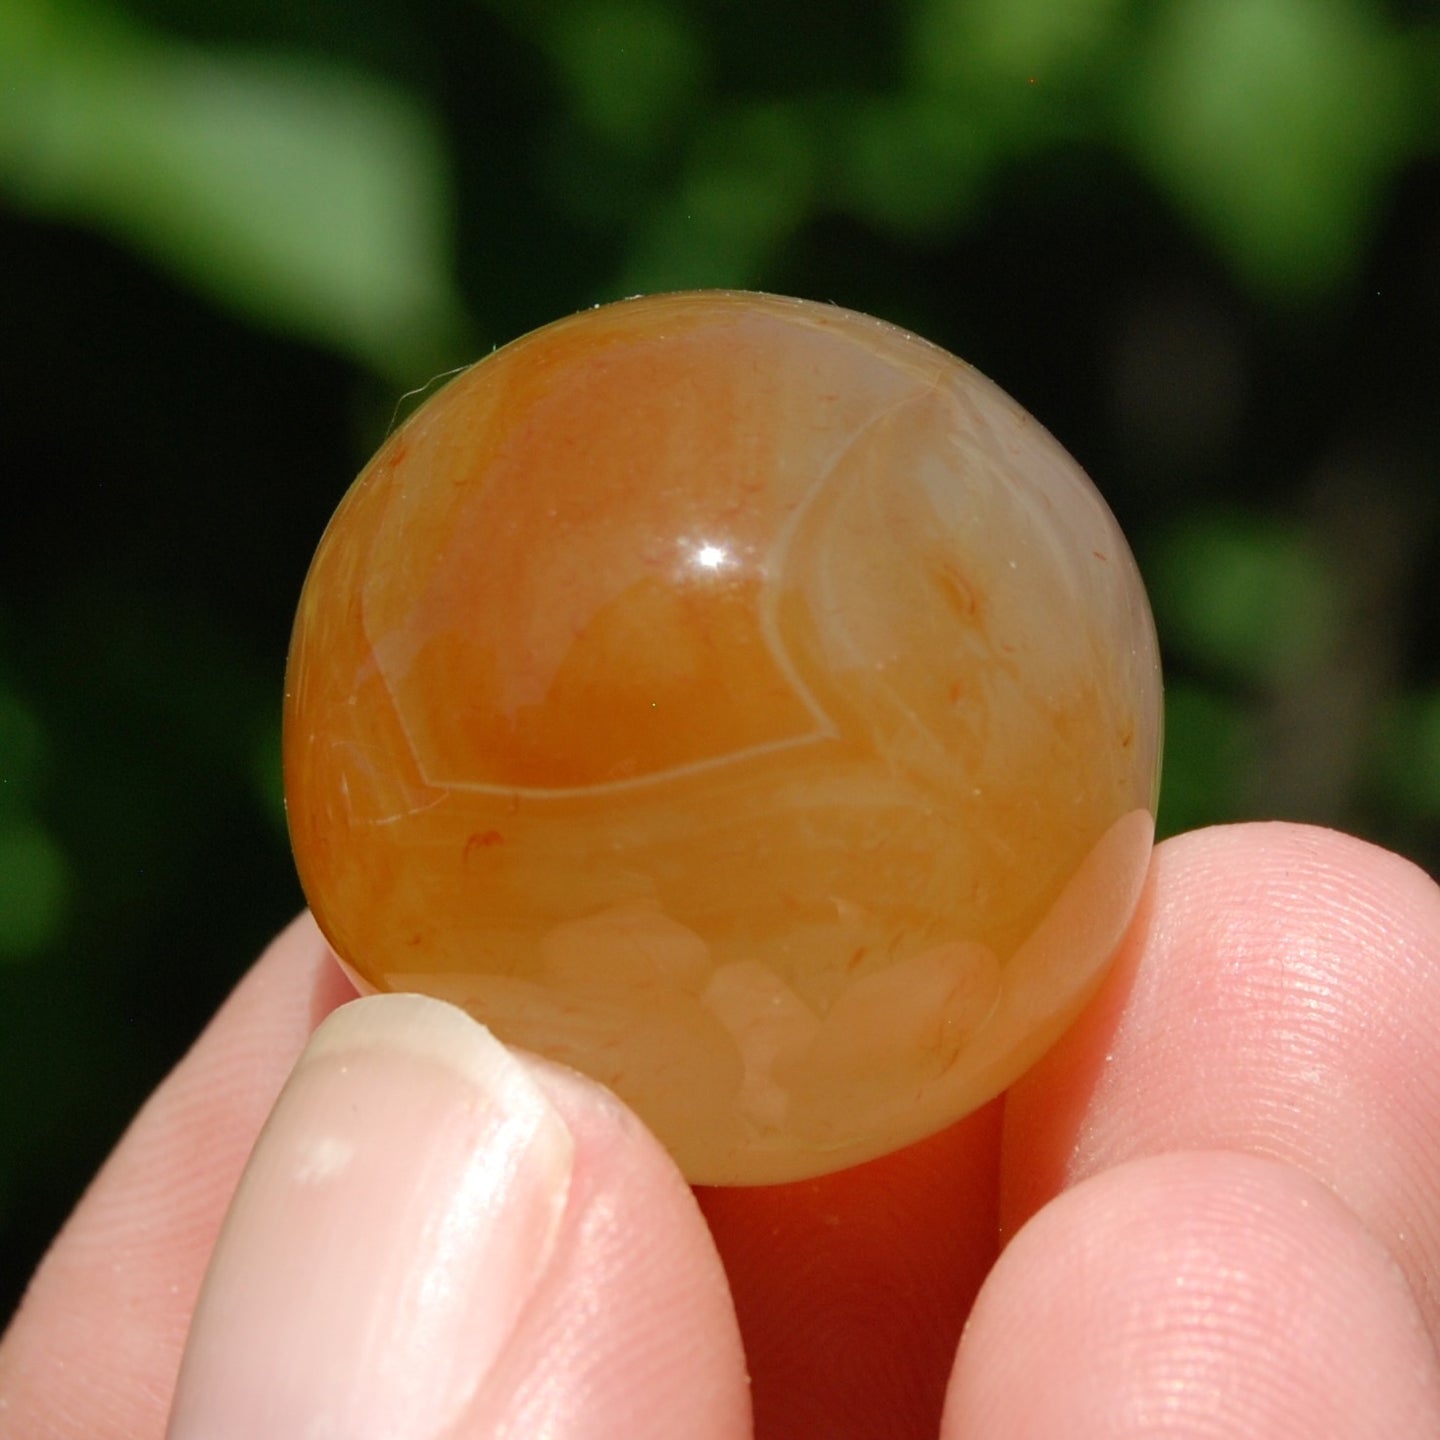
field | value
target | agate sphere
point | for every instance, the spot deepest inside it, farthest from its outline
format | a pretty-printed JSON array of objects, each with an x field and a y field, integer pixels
[{"x": 739, "y": 700}]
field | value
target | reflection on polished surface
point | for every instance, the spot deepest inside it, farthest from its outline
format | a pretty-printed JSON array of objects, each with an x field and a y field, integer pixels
[{"x": 741, "y": 701}]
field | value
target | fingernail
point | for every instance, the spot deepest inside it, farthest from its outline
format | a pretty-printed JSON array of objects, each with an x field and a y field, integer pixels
[{"x": 399, "y": 1207}]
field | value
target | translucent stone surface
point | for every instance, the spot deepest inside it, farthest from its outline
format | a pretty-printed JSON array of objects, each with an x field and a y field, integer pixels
[{"x": 742, "y": 701}]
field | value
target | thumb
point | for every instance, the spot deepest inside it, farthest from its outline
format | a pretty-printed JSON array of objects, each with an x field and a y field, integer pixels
[{"x": 416, "y": 1215}]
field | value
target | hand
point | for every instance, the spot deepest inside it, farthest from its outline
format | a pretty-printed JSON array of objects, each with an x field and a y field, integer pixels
[{"x": 1220, "y": 1193}]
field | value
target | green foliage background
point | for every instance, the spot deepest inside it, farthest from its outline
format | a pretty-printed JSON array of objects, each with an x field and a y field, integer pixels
[{"x": 1199, "y": 239}]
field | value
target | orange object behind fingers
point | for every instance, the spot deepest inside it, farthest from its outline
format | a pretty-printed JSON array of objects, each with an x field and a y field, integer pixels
[{"x": 852, "y": 1289}]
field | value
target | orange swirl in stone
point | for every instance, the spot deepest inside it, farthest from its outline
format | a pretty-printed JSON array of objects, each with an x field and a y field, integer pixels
[{"x": 741, "y": 701}]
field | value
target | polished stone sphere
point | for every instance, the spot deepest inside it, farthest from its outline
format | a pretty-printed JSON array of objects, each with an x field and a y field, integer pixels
[{"x": 739, "y": 700}]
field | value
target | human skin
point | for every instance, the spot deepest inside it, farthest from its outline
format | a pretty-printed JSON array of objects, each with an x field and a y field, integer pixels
[{"x": 1213, "y": 1209}]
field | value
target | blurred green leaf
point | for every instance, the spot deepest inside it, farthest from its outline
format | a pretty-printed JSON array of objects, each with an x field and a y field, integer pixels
[
  {"x": 1408, "y": 755},
  {"x": 1210, "y": 755},
  {"x": 1275, "y": 123},
  {"x": 266, "y": 770},
  {"x": 1244, "y": 598},
  {"x": 24, "y": 750},
  {"x": 34, "y": 890},
  {"x": 1017, "y": 77},
  {"x": 295, "y": 190},
  {"x": 631, "y": 66},
  {"x": 1015, "y": 41},
  {"x": 745, "y": 190},
  {"x": 912, "y": 164}
]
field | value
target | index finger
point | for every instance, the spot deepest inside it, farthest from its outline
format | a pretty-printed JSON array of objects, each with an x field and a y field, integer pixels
[
  {"x": 1223, "y": 1184},
  {"x": 1281, "y": 997}
]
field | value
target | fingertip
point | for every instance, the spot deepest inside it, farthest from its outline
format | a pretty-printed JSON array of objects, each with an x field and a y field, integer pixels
[
  {"x": 399, "y": 1208},
  {"x": 1278, "y": 996},
  {"x": 1197, "y": 1293},
  {"x": 439, "y": 1235},
  {"x": 632, "y": 1329}
]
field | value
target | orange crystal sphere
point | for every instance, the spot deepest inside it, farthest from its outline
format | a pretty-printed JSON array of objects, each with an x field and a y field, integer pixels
[{"x": 741, "y": 701}]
